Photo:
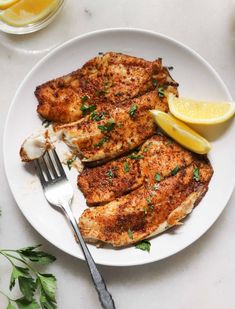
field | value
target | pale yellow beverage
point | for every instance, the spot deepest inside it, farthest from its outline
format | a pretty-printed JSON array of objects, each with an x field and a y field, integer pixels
[{"x": 23, "y": 13}]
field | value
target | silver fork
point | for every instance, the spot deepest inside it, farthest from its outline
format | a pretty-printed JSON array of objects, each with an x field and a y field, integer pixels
[{"x": 59, "y": 193}]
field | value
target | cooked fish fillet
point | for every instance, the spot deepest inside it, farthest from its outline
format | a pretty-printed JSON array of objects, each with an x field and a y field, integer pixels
[
  {"x": 120, "y": 130},
  {"x": 106, "y": 133},
  {"x": 112, "y": 78},
  {"x": 154, "y": 161},
  {"x": 148, "y": 210}
]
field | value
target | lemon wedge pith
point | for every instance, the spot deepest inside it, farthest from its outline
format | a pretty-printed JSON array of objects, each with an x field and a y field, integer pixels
[
  {"x": 181, "y": 133},
  {"x": 27, "y": 11},
  {"x": 200, "y": 112}
]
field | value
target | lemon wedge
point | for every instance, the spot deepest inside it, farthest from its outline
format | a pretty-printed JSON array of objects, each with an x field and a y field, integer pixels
[
  {"x": 181, "y": 133},
  {"x": 200, "y": 112},
  {"x": 4, "y": 4},
  {"x": 27, "y": 12}
]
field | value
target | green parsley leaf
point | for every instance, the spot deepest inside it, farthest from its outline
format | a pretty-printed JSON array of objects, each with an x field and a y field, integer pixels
[
  {"x": 110, "y": 174},
  {"x": 27, "y": 287},
  {"x": 45, "y": 302},
  {"x": 147, "y": 147},
  {"x": 158, "y": 177},
  {"x": 149, "y": 202},
  {"x": 132, "y": 110},
  {"x": 144, "y": 245},
  {"x": 175, "y": 170},
  {"x": 120, "y": 125},
  {"x": 126, "y": 167},
  {"x": 36, "y": 256},
  {"x": 46, "y": 123},
  {"x": 85, "y": 98},
  {"x": 161, "y": 93},
  {"x": 109, "y": 126},
  {"x": 102, "y": 141},
  {"x": 16, "y": 273},
  {"x": 10, "y": 306},
  {"x": 154, "y": 82},
  {"x": 130, "y": 233},
  {"x": 196, "y": 174},
  {"x": 87, "y": 108},
  {"x": 23, "y": 303},
  {"x": 135, "y": 156},
  {"x": 48, "y": 285},
  {"x": 70, "y": 162},
  {"x": 98, "y": 116}
]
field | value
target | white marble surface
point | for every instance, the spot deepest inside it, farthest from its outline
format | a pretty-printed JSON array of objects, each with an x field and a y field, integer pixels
[{"x": 201, "y": 276}]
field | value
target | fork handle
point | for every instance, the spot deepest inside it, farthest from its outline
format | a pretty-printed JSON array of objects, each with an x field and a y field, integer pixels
[{"x": 105, "y": 297}]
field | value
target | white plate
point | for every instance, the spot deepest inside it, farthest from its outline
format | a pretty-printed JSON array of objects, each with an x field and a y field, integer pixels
[{"x": 197, "y": 79}]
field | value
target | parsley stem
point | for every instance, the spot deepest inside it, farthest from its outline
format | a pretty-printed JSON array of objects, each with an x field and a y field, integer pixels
[
  {"x": 7, "y": 257},
  {"x": 9, "y": 299}
]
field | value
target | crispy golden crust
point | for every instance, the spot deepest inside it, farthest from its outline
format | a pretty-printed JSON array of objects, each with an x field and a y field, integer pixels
[
  {"x": 111, "y": 78},
  {"x": 104, "y": 183},
  {"x": 146, "y": 212},
  {"x": 158, "y": 155},
  {"x": 118, "y": 132}
]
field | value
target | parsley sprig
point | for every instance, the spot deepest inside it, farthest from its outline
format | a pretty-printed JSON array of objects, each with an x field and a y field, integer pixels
[
  {"x": 143, "y": 245},
  {"x": 36, "y": 287}
]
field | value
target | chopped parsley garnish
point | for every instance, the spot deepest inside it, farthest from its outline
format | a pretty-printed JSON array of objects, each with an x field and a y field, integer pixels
[
  {"x": 130, "y": 234},
  {"x": 100, "y": 53},
  {"x": 196, "y": 175},
  {"x": 158, "y": 177},
  {"x": 154, "y": 82},
  {"x": 100, "y": 92},
  {"x": 160, "y": 92},
  {"x": 87, "y": 108},
  {"x": 102, "y": 141},
  {"x": 105, "y": 90},
  {"x": 132, "y": 110},
  {"x": 144, "y": 245},
  {"x": 98, "y": 116},
  {"x": 126, "y": 167},
  {"x": 135, "y": 156},
  {"x": 85, "y": 98},
  {"x": 169, "y": 141},
  {"x": 170, "y": 68},
  {"x": 120, "y": 125},
  {"x": 156, "y": 187},
  {"x": 146, "y": 147},
  {"x": 109, "y": 126},
  {"x": 145, "y": 211},
  {"x": 149, "y": 202},
  {"x": 110, "y": 174},
  {"x": 70, "y": 162},
  {"x": 46, "y": 123},
  {"x": 175, "y": 170}
]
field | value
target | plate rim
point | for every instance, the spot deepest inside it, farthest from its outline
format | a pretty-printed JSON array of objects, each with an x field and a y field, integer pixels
[{"x": 87, "y": 35}]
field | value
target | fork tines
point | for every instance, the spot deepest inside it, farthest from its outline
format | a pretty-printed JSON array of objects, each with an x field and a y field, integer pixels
[{"x": 49, "y": 167}]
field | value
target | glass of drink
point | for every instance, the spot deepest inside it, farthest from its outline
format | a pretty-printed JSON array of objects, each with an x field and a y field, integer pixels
[{"x": 26, "y": 16}]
